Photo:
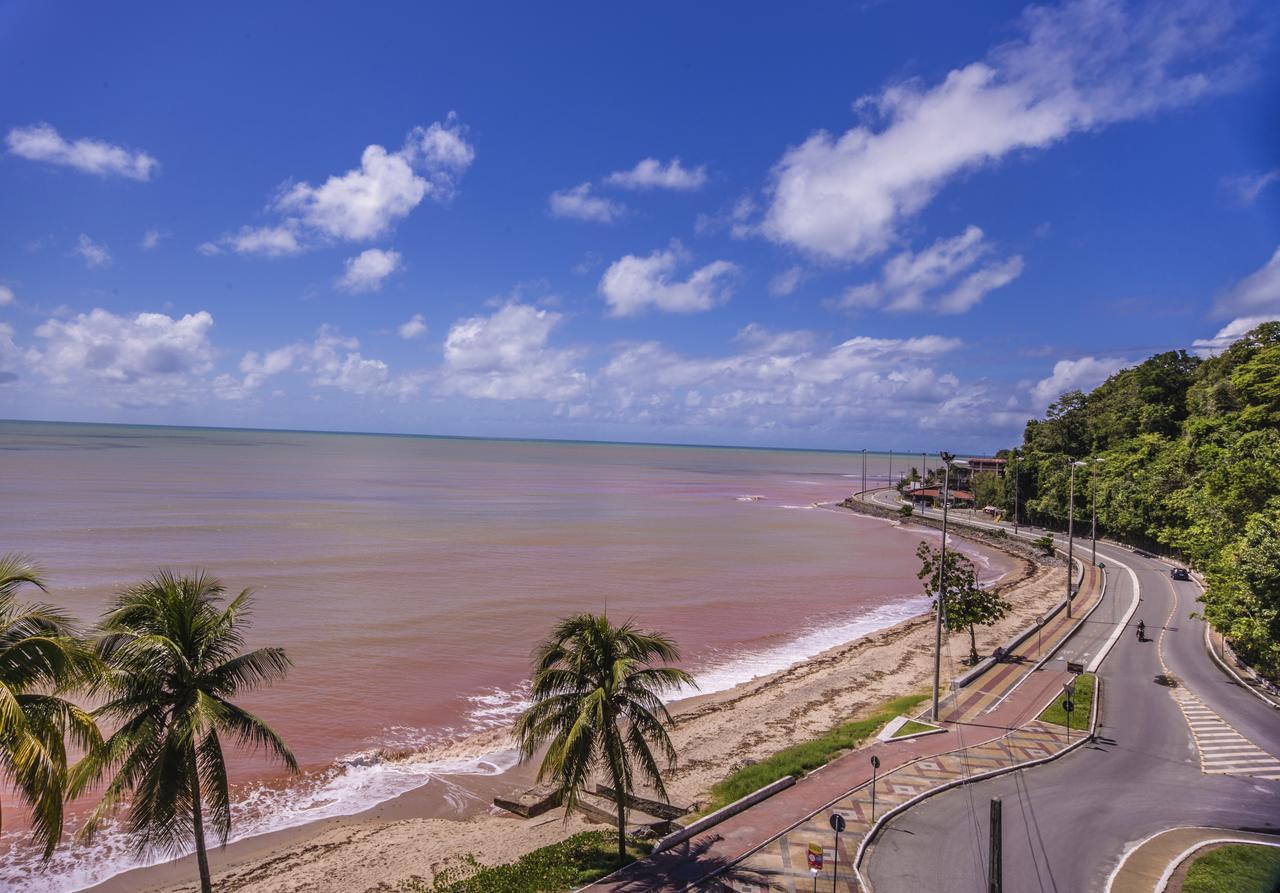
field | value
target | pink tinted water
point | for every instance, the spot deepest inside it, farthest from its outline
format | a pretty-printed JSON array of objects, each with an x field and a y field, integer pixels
[{"x": 410, "y": 577}]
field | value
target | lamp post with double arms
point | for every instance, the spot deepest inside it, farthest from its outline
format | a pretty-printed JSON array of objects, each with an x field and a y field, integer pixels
[
  {"x": 1093, "y": 512},
  {"x": 947, "y": 459},
  {"x": 1071, "y": 520}
]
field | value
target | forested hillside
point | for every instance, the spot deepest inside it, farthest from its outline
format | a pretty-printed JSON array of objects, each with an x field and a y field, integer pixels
[{"x": 1190, "y": 463}]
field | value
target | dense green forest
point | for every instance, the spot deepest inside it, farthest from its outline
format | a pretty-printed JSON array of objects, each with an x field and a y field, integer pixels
[{"x": 1189, "y": 454}]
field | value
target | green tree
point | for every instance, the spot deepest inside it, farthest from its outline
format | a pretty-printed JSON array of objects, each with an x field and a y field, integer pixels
[
  {"x": 597, "y": 709},
  {"x": 174, "y": 659},
  {"x": 40, "y": 659},
  {"x": 966, "y": 604}
]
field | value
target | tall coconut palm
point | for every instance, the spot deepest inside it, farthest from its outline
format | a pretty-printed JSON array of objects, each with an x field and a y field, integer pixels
[
  {"x": 173, "y": 661},
  {"x": 40, "y": 658},
  {"x": 597, "y": 709}
]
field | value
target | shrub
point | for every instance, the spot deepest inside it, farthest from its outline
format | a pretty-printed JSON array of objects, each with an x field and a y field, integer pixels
[{"x": 566, "y": 865}]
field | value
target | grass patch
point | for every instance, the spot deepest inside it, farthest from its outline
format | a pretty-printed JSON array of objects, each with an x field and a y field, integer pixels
[
  {"x": 578, "y": 860},
  {"x": 1083, "y": 700},
  {"x": 1238, "y": 868},
  {"x": 911, "y": 727},
  {"x": 799, "y": 759}
]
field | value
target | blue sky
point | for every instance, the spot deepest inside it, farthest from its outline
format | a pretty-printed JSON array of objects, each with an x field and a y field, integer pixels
[{"x": 889, "y": 224}]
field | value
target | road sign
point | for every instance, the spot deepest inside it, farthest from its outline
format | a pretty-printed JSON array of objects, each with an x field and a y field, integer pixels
[
  {"x": 1074, "y": 667},
  {"x": 1068, "y": 705},
  {"x": 837, "y": 822},
  {"x": 875, "y": 762},
  {"x": 815, "y": 856}
]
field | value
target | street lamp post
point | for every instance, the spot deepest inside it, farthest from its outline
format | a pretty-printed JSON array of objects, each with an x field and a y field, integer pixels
[
  {"x": 1071, "y": 520},
  {"x": 864, "y": 470},
  {"x": 890, "y": 468},
  {"x": 1014, "y": 456},
  {"x": 1093, "y": 511},
  {"x": 947, "y": 459}
]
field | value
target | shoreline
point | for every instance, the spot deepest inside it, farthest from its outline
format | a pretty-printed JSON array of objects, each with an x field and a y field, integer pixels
[{"x": 418, "y": 833}]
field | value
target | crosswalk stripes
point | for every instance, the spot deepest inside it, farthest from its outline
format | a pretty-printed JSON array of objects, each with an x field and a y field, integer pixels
[{"x": 1223, "y": 750}]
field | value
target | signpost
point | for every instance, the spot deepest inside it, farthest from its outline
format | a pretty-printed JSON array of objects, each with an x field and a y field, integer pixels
[
  {"x": 1068, "y": 692},
  {"x": 837, "y": 825},
  {"x": 875, "y": 765}
]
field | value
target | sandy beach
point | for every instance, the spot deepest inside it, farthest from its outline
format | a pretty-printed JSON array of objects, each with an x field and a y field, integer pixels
[{"x": 410, "y": 837}]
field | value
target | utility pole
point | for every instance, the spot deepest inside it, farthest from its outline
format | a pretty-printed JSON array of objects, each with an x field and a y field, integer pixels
[
  {"x": 947, "y": 459},
  {"x": 996, "y": 872},
  {"x": 1093, "y": 519},
  {"x": 1071, "y": 520}
]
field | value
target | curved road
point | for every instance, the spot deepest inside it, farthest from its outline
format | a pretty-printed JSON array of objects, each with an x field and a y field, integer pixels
[{"x": 1066, "y": 824}]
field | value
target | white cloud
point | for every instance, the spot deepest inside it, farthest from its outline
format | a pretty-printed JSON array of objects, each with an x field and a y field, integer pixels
[
  {"x": 95, "y": 254},
  {"x": 1083, "y": 374},
  {"x": 781, "y": 380},
  {"x": 41, "y": 142},
  {"x": 332, "y": 361},
  {"x": 951, "y": 275},
  {"x": 412, "y": 327},
  {"x": 268, "y": 241},
  {"x": 1229, "y": 334},
  {"x": 652, "y": 174},
  {"x": 787, "y": 281},
  {"x": 365, "y": 202},
  {"x": 366, "y": 271},
  {"x": 1259, "y": 292},
  {"x": 633, "y": 284},
  {"x": 1247, "y": 187},
  {"x": 1076, "y": 67},
  {"x": 506, "y": 356},
  {"x": 151, "y": 238},
  {"x": 579, "y": 204},
  {"x": 6, "y": 296},
  {"x": 146, "y": 359},
  {"x": 335, "y": 362},
  {"x": 10, "y": 355}
]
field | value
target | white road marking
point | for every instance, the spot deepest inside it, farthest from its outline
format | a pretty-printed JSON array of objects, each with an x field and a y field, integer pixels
[{"x": 1223, "y": 750}]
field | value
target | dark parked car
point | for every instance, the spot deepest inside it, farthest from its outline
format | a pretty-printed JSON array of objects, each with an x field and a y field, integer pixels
[{"x": 1180, "y": 573}]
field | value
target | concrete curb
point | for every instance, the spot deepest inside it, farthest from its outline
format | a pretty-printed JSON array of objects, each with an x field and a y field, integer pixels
[
  {"x": 869, "y": 839},
  {"x": 710, "y": 821}
]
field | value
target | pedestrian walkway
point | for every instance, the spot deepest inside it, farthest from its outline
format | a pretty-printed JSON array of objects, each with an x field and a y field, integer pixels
[
  {"x": 782, "y": 863},
  {"x": 1223, "y": 750},
  {"x": 991, "y": 725}
]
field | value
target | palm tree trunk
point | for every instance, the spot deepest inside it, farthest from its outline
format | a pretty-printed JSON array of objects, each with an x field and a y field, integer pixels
[{"x": 202, "y": 857}]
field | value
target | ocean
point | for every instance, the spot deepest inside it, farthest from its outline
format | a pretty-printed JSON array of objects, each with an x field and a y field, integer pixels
[{"x": 409, "y": 578}]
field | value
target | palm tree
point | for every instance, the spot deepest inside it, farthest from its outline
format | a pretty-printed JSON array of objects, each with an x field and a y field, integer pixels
[
  {"x": 596, "y": 708},
  {"x": 40, "y": 658},
  {"x": 173, "y": 661}
]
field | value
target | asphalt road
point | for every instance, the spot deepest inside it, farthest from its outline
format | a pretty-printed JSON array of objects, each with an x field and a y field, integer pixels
[{"x": 1067, "y": 823}]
